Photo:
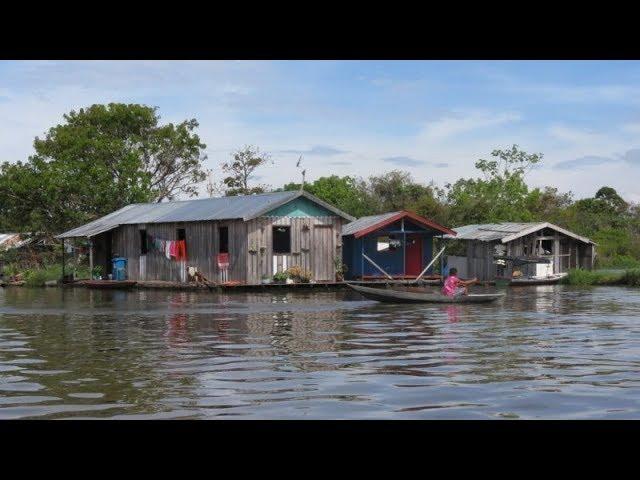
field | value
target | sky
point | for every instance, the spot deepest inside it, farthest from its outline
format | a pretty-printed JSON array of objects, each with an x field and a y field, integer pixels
[{"x": 431, "y": 118}]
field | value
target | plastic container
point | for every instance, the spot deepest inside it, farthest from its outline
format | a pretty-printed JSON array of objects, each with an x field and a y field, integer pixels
[{"x": 119, "y": 268}]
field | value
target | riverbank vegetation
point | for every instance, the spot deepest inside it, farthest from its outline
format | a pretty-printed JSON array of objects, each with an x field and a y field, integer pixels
[
  {"x": 104, "y": 157},
  {"x": 603, "y": 277}
]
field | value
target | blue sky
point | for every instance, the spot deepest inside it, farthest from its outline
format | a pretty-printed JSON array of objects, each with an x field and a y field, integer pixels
[{"x": 434, "y": 119}]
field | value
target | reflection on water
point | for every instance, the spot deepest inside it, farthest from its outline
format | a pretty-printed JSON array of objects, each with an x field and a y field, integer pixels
[{"x": 541, "y": 352}]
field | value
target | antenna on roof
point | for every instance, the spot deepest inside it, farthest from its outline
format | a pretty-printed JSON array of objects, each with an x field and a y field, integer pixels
[{"x": 304, "y": 171}]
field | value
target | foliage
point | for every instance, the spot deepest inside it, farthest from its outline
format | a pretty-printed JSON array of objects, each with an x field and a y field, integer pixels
[
  {"x": 632, "y": 278},
  {"x": 37, "y": 277},
  {"x": 629, "y": 277},
  {"x": 97, "y": 271},
  {"x": 241, "y": 170},
  {"x": 98, "y": 160},
  {"x": 280, "y": 276},
  {"x": 299, "y": 275},
  {"x": 340, "y": 267},
  {"x": 344, "y": 192},
  {"x": 594, "y": 277},
  {"x": 501, "y": 196}
]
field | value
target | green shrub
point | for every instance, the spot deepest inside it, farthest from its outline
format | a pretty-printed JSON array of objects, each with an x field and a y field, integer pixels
[
  {"x": 38, "y": 276},
  {"x": 594, "y": 277},
  {"x": 632, "y": 277},
  {"x": 619, "y": 261},
  {"x": 581, "y": 277},
  {"x": 280, "y": 277}
]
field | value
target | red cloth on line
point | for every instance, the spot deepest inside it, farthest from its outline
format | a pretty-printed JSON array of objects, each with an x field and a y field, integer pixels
[
  {"x": 181, "y": 250},
  {"x": 173, "y": 249}
]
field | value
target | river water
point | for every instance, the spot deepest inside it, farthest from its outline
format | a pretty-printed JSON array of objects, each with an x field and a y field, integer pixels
[{"x": 541, "y": 352}]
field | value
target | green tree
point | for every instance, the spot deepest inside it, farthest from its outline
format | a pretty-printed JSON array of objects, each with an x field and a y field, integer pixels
[
  {"x": 548, "y": 205},
  {"x": 501, "y": 195},
  {"x": 240, "y": 171},
  {"x": 100, "y": 159},
  {"x": 345, "y": 193},
  {"x": 394, "y": 190}
]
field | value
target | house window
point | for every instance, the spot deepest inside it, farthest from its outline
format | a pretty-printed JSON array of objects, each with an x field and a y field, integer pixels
[
  {"x": 223, "y": 240},
  {"x": 281, "y": 239},
  {"x": 387, "y": 243},
  {"x": 143, "y": 242},
  {"x": 181, "y": 234}
]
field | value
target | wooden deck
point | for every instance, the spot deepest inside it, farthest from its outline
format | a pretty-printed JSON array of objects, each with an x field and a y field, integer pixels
[{"x": 166, "y": 285}]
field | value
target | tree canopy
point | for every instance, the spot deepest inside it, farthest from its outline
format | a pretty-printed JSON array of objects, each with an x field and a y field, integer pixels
[
  {"x": 98, "y": 160},
  {"x": 240, "y": 171}
]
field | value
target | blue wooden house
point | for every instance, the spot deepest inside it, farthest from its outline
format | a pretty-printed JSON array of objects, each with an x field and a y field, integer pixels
[{"x": 401, "y": 243}]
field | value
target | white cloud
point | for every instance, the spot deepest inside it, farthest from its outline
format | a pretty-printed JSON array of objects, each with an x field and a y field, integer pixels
[
  {"x": 458, "y": 123},
  {"x": 611, "y": 93},
  {"x": 633, "y": 128},
  {"x": 573, "y": 135}
]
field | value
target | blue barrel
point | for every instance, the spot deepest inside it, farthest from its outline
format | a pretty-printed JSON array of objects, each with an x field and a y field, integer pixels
[{"x": 119, "y": 268}]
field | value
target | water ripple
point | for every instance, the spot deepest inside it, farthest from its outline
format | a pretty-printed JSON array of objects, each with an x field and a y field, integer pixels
[{"x": 546, "y": 352}]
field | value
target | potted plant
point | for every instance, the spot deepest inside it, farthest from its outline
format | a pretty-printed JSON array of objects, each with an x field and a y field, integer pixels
[
  {"x": 340, "y": 267},
  {"x": 298, "y": 275},
  {"x": 280, "y": 277}
]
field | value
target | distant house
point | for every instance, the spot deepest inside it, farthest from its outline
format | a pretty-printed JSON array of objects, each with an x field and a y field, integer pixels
[
  {"x": 488, "y": 244},
  {"x": 12, "y": 240},
  {"x": 239, "y": 238},
  {"x": 401, "y": 243}
]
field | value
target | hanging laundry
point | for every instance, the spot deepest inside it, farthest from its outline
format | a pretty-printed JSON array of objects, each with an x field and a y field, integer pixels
[
  {"x": 181, "y": 250},
  {"x": 173, "y": 249},
  {"x": 167, "y": 249}
]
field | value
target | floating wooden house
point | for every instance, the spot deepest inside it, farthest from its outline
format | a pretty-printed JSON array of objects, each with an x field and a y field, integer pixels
[
  {"x": 241, "y": 238},
  {"x": 401, "y": 243},
  {"x": 487, "y": 246}
]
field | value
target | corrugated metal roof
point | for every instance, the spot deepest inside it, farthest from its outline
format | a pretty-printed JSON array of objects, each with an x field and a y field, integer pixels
[
  {"x": 366, "y": 222},
  {"x": 506, "y": 231},
  {"x": 366, "y": 225},
  {"x": 6, "y": 236},
  {"x": 245, "y": 207},
  {"x": 12, "y": 240}
]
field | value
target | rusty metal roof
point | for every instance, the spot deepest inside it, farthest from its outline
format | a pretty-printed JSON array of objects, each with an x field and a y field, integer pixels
[
  {"x": 366, "y": 222},
  {"x": 243, "y": 207},
  {"x": 507, "y": 231},
  {"x": 365, "y": 225}
]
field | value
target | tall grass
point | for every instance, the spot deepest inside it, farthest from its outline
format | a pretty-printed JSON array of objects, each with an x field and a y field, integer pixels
[
  {"x": 37, "y": 277},
  {"x": 632, "y": 277},
  {"x": 603, "y": 277}
]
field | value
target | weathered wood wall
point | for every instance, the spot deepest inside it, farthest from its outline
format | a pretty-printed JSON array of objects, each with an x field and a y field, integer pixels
[
  {"x": 568, "y": 253},
  {"x": 202, "y": 248},
  {"x": 315, "y": 241}
]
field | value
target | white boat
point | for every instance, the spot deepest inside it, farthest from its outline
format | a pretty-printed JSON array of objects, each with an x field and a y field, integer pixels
[{"x": 538, "y": 280}]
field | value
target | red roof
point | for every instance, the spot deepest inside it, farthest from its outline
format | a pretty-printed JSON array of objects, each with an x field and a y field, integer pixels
[{"x": 400, "y": 215}]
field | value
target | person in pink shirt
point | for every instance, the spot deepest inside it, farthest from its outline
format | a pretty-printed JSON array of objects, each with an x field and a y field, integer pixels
[{"x": 454, "y": 287}]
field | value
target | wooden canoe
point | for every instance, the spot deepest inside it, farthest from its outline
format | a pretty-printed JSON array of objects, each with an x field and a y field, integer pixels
[
  {"x": 395, "y": 295},
  {"x": 109, "y": 283}
]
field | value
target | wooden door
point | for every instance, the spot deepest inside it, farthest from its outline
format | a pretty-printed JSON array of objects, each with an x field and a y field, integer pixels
[
  {"x": 322, "y": 253},
  {"x": 413, "y": 255}
]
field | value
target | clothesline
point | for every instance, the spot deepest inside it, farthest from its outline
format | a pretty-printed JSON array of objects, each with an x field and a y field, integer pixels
[{"x": 170, "y": 248}]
